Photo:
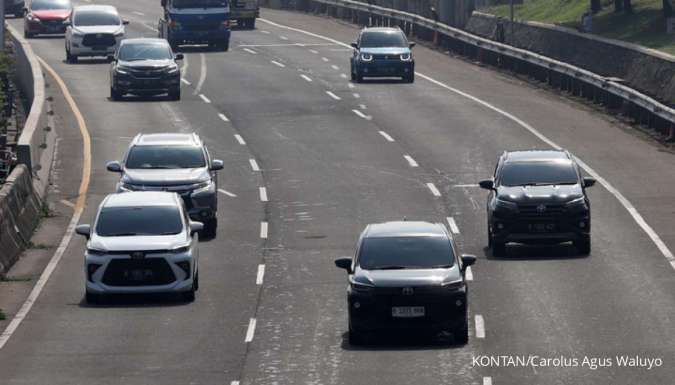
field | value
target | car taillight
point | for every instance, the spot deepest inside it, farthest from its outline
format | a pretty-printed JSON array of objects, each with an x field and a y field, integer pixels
[
  {"x": 185, "y": 266},
  {"x": 91, "y": 269}
]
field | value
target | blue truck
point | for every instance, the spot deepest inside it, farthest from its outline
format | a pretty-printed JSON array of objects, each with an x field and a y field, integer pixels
[{"x": 196, "y": 22}]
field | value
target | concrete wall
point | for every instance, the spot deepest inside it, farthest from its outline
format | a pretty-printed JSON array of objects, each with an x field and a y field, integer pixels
[{"x": 648, "y": 71}]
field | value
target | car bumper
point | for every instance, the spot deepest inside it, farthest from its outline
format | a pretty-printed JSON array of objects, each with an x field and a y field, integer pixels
[
  {"x": 200, "y": 205},
  {"x": 77, "y": 48},
  {"x": 541, "y": 230},
  {"x": 131, "y": 85},
  {"x": 385, "y": 68},
  {"x": 45, "y": 27},
  {"x": 200, "y": 37}
]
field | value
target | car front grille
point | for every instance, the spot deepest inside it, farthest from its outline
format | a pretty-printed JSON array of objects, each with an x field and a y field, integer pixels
[
  {"x": 150, "y": 73},
  {"x": 98, "y": 40},
  {"x": 386, "y": 57},
  {"x": 541, "y": 210},
  {"x": 138, "y": 272},
  {"x": 438, "y": 303}
]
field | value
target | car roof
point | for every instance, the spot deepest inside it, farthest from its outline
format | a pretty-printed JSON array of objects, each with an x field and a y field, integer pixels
[
  {"x": 167, "y": 139},
  {"x": 405, "y": 229},
  {"x": 537, "y": 156},
  {"x": 142, "y": 40},
  {"x": 96, "y": 7},
  {"x": 381, "y": 29},
  {"x": 140, "y": 199}
]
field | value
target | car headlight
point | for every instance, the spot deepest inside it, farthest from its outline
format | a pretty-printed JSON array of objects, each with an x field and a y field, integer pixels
[
  {"x": 172, "y": 70},
  {"x": 454, "y": 285},
  {"x": 505, "y": 205},
  {"x": 366, "y": 57},
  {"x": 94, "y": 251},
  {"x": 32, "y": 17},
  {"x": 119, "y": 33},
  {"x": 202, "y": 187},
  {"x": 578, "y": 204},
  {"x": 77, "y": 33},
  {"x": 406, "y": 57},
  {"x": 122, "y": 70},
  {"x": 180, "y": 250},
  {"x": 128, "y": 187},
  {"x": 360, "y": 287}
]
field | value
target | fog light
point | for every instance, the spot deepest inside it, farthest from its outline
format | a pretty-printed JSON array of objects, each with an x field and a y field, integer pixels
[
  {"x": 458, "y": 302},
  {"x": 500, "y": 226},
  {"x": 357, "y": 305},
  {"x": 185, "y": 266},
  {"x": 582, "y": 224},
  {"x": 91, "y": 269}
]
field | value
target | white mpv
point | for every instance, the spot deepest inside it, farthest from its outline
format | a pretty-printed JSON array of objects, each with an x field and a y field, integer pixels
[{"x": 93, "y": 30}]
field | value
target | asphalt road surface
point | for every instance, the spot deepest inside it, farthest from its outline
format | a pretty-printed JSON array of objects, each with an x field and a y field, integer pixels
[{"x": 310, "y": 159}]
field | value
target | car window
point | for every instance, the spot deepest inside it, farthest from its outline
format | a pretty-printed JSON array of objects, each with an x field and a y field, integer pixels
[
  {"x": 145, "y": 51},
  {"x": 382, "y": 39},
  {"x": 130, "y": 221},
  {"x": 199, "y": 3},
  {"x": 406, "y": 253},
  {"x": 538, "y": 173},
  {"x": 157, "y": 157},
  {"x": 43, "y": 5},
  {"x": 91, "y": 18}
]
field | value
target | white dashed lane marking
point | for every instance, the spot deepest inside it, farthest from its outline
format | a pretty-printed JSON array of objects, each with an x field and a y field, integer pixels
[
  {"x": 229, "y": 194},
  {"x": 240, "y": 139},
  {"x": 480, "y": 326},
  {"x": 344, "y": 76},
  {"x": 263, "y": 230},
  {"x": 433, "y": 189},
  {"x": 333, "y": 66},
  {"x": 411, "y": 161},
  {"x": 325, "y": 59},
  {"x": 332, "y": 95},
  {"x": 250, "y": 331},
  {"x": 261, "y": 275},
  {"x": 204, "y": 98},
  {"x": 250, "y": 51},
  {"x": 387, "y": 136},
  {"x": 223, "y": 117},
  {"x": 283, "y": 38},
  {"x": 453, "y": 225},
  {"x": 356, "y": 96},
  {"x": 306, "y": 77},
  {"x": 185, "y": 81},
  {"x": 254, "y": 165},
  {"x": 362, "y": 115},
  {"x": 263, "y": 194},
  {"x": 278, "y": 64},
  {"x": 315, "y": 52},
  {"x": 265, "y": 32}
]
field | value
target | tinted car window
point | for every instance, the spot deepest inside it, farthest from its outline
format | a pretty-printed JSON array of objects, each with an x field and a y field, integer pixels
[
  {"x": 383, "y": 39},
  {"x": 41, "y": 5},
  {"x": 199, "y": 3},
  {"x": 149, "y": 51},
  {"x": 406, "y": 253},
  {"x": 148, "y": 157},
  {"x": 89, "y": 18},
  {"x": 538, "y": 173},
  {"x": 129, "y": 221}
]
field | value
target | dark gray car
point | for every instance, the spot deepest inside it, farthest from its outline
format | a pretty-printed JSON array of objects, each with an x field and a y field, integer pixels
[
  {"x": 177, "y": 163},
  {"x": 407, "y": 276}
]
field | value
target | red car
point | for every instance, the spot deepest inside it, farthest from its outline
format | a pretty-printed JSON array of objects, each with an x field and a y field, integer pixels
[{"x": 46, "y": 17}]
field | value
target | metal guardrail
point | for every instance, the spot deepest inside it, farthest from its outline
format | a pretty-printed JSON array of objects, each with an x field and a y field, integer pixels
[{"x": 642, "y": 108}]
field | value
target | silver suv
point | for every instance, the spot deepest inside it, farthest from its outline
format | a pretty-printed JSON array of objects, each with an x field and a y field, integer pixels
[
  {"x": 141, "y": 242},
  {"x": 177, "y": 163}
]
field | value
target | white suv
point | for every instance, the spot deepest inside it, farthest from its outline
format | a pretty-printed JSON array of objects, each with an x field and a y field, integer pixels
[
  {"x": 93, "y": 30},
  {"x": 141, "y": 242}
]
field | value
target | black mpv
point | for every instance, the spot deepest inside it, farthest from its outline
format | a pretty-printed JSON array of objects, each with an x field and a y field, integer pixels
[{"x": 538, "y": 196}]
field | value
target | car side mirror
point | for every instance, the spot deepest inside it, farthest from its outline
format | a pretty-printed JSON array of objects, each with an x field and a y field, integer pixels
[
  {"x": 114, "y": 166},
  {"x": 179, "y": 56},
  {"x": 589, "y": 182},
  {"x": 196, "y": 227},
  {"x": 487, "y": 184},
  {"x": 354, "y": 45},
  {"x": 412, "y": 44},
  {"x": 83, "y": 230},
  {"x": 216, "y": 165},
  {"x": 468, "y": 260},
  {"x": 344, "y": 263},
  {"x": 67, "y": 23},
  {"x": 125, "y": 22}
]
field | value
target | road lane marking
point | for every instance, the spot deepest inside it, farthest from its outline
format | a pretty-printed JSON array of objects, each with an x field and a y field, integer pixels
[
  {"x": 250, "y": 51},
  {"x": 344, "y": 76},
  {"x": 276, "y": 63},
  {"x": 333, "y": 66},
  {"x": 637, "y": 217},
  {"x": 362, "y": 115},
  {"x": 480, "y": 326},
  {"x": 356, "y": 96},
  {"x": 223, "y": 117},
  {"x": 411, "y": 161},
  {"x": 237, "y": 382},
  {"x": 325, "y": 59},
  {"x": 332, "y": 95},
  {"x": 487, "y": 380},
  {"x": 283, "y": 38},
  {"x": 68, "y": 203},
  {"x": 265, "y": 32},
  {"x": 314, "y": 51},
  {"x": 468, "y": 274},
  {"x": 466, "y": 185},
  {"x": 229, "y": 194},
  {"x": 202, "y": 74},
  {"x": 433, "y": 189},
  {"x": 185, "y": 81},
  {"x": 254, "y": 165},
  {"x": 263, "y": 194},
  {"x": 286, "y": 45},
  {"x": 306, "y": 77},
  {"x": 387, "y": 136},
  {"x": 205, "y": 99},
  {"x": 263, "y": 230},
  {"x": 250, "y": 331},
  {"x": 362, "y": 106},
  {"x": 138, "y": 13},
  {"x": 261, "y": 275},
  {"x": 350, "y": 85},
  {"x": 77, "y": 212},
  {"x": 240, "y": 139},
  {"x": 453, "y": 225}
]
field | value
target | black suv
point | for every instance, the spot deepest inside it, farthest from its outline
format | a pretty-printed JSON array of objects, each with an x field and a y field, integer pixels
[
  {"x": 538, "y": 196},
  {"x": 382, "y": 52},
  {"x": 406, "y": 275}
]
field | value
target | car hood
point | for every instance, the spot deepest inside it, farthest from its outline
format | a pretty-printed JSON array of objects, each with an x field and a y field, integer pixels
[
  {"x": 139, "y": 243},
  {"x": 166, "y": 177},
  {"x": 198, "y": 15},
  {"x": 146, "y": 64},
  {"x": 52, "y": 14},
  {"x": 536, "y": 194},
  {"x": 99, "y": 28},
  {"x": 386, "y": 50},
  {"x": 408, "y": 277}
]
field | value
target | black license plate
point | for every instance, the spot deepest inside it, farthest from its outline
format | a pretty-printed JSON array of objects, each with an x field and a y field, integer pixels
[{"x": 541, "y": 227}]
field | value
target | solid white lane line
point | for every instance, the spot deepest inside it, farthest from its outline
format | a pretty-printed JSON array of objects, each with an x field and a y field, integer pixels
[
  {"x": 250, "y": 51},
  {"x": 480, "y": 326},
  {"x": 263, "y": 230},
  {"x": 229, "y": 194},
  {"x": 223, "y": 117},
  {"x": 411, "y": 161},
  {"x": 468, "y": 274},
  {"x": 283, "y": 38},
  {"x": 333, "y": 66},
  {"x": 250, "y": 331},
  {"x": 254, "y": 165},
  {"x": 263, "y": 194},
  {"x": 487, "y": 380},
  {"x": 453, "y": 225},
  {"x": 185, "y": 81},
  {"x": 204, "y": 98},
  {"x": 332, "y": 95},
  {"x": 387, "y": 136},
  {"x": 276, "y": 63},
  {"x": 261, "y": 275},
  {"x": 240, "y": 139},
  {"x": 325, "y": 59},
  {"x": 306, "y": 77},
  {"x": 356, "y": 96},
  {"x": 202, "y": 74},
  {"x": 362, "y": 115},
  {"x": 433, "y": 189}
]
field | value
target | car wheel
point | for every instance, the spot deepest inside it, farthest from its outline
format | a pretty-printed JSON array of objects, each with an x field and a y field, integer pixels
[
  {"x": 93, "y": 299},
  {"x": 114, "y": 94},
  {"x": 27, "y": 35},
  {"x": 498, "y": 249},
  {"x": 359, "y": 77},
  {"x": 196, "y": 281},
  {"x": 583, "y": 246},
  {"x": 174, "y": 94},
  {"x": 355, "y": 338},
  {"x": 70, "y": 58},
  {"x": 461, "y": 334},
  {"x": 210, "y": 228},
  {"x": 351, "y": 71},
  {"x": 189, "y": 296},
  {"x": 489, "y": 236},
  {"x": 410, "y": 78}
]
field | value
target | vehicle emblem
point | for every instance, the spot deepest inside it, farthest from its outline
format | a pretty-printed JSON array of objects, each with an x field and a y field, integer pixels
[
  {"x": 137, "y": 255},
  {"x": 407, "y": 291},
  {"x": 386, "y": 57},
  {"x": 98, "y": 35},
  {"x": 541, "y": 208}
]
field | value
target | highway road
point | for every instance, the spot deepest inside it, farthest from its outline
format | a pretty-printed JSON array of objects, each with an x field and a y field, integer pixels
[{"x": 310, "y": 159}]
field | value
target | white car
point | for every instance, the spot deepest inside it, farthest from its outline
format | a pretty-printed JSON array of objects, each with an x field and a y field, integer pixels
[
  {"x": 141, "y": 242},
  {"x": 93, "y": 30}
]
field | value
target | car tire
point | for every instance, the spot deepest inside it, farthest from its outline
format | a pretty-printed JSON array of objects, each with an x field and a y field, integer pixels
[
  {"x": 114, "y": 94},
  {"x": 410, "y": 78},
  {"x": 174, "y": 94},
  {"x": 498, "y": 249},
  {"x": 27, "y": 35},
  {"x": 583, "y": 246},
  {"x": 461, "y": 334},
  {"x": 210, "y": 228},
  {"x": 93, "y": 299},
  {"x": 195, "y": 283},
  {"x": 189, "y": 296},
  {"x": 70, "y": 58},
  {"x": 359, "y": 77}
]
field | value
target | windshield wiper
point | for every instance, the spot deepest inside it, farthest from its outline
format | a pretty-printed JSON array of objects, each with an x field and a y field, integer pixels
[
  {"x": 121, "y": 235},
  {"x": 439, "y": 267},
  {"x": 389, "y": 267}
]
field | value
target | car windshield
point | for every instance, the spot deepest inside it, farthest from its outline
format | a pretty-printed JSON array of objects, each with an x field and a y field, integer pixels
[
  {"x": 382, "y": 39},
  {"x": 131, "y": 221},
  {"x": 92, "y": 18},
  {"x": 149, "y": 157},
  {"x": 199, "y": 3},
  {"x": 144, "y": 51},
  {"x": 420, "y": 252},
  {"x": 43, "y": 5},
  {"x": 538, "y": 173}
]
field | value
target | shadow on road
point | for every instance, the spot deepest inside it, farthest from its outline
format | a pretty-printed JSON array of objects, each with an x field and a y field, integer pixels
[{"x": 401, "y": 341}]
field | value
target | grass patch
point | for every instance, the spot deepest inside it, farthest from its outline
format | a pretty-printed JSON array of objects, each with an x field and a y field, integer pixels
[
  {"x": 16, "y": 279},
  {"x": 2, "y": 316},
  {"x": 646, "y": 26},
  {"x": 38, "y": 246}
]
